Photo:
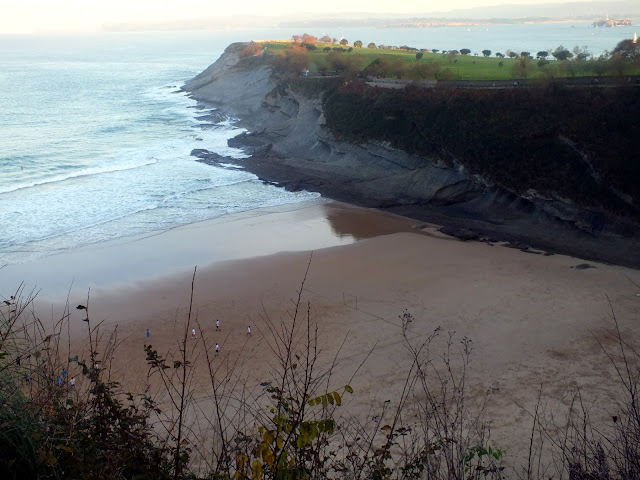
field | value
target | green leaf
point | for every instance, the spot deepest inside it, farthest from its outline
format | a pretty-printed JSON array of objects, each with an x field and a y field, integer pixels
[
  {"x": 330, "y": 398},
  {"x": 325, "y": 402},
  {"x": 348, "y": 388},
  {"x": 338, "y": 398}
]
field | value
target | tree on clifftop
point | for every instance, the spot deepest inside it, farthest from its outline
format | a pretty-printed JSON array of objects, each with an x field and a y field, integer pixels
[
  {"x": 422, "y": 70},
  {"x": 309, "y": 39},
  {"x": 486, "y": 53},
  {"x": 347, "y": 64},
  {"x": 561, "y": 53},
  {"x": 251, "y": 50},
  {"x": 522, "y": 67},
  {"x": 357, "y": 44},
  {"x": 628, "y": 49},
  {"x": 581, "y": 53},
  {"x": 294, "y": 59},
  {"x": 465, "y": 51},
  {"x": 344, "y": 41},
  {"x": 326, "y": 39}
]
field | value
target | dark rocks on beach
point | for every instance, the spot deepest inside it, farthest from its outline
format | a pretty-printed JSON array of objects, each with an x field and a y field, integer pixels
[
  {"x": 583, "y": 266},
  {"x": 250, "y": 143},
  {"x": 518, "y": 245},
  {"x": 213, "y": 116},
  {"x": 211, "y": 158},
  {"x": 204, "y": 154},
  {"x": 463, "y": 234}
]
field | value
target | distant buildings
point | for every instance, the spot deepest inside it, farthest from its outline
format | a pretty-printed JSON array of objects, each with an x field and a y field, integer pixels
[{"x": 610, "y": 22}]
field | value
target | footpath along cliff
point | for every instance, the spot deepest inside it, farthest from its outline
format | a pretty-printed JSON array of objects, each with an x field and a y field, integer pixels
[{"x": 552, "y": 167}]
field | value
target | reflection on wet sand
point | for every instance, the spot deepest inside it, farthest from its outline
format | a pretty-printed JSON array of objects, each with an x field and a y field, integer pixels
[{"x": 360, "y": 223}]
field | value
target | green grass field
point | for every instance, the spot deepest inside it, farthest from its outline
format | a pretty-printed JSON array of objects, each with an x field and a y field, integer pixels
[{"x": 462, "y": 67}]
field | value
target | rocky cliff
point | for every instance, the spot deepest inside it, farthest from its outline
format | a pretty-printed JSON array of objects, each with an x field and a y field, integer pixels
[{"x": 436, "y": 156}]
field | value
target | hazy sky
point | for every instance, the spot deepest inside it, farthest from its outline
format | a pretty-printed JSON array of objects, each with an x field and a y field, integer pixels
[{"x": 26, "y": 16}]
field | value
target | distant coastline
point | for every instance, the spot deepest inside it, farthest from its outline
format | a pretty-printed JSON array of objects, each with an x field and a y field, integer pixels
[{"x": 494, "y": 21}]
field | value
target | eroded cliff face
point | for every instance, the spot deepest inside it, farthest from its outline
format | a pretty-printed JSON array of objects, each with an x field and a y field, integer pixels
[
  {"x": 293, "y": 145},
  {"x": 291, "y": 125}
]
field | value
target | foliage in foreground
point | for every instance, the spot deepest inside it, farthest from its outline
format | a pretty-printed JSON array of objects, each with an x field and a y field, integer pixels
[
  {"x": 55, "y": 425},
  {"x": 295, "y": 425}
]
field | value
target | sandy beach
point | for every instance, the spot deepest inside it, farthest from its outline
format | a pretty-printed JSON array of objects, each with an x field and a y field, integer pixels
[{"x": 535, "y": 321}]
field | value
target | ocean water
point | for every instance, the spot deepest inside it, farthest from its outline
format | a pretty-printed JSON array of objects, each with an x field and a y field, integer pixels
[
  {"x": 95, "y": 134},
  {"x": 96, "y": 139}
]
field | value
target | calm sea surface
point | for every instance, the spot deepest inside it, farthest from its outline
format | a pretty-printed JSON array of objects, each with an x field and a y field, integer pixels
[{"x": 95, "y": 134}]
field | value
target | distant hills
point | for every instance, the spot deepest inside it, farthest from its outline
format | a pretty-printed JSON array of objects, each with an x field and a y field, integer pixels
[{"x": 508, "y": 13}]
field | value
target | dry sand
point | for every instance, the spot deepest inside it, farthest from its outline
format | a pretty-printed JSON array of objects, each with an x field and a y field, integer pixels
[{"x": 533, "y": 319}]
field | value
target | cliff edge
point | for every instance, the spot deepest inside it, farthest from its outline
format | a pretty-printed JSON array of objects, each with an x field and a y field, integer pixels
[{"x": 482, "y": 163}]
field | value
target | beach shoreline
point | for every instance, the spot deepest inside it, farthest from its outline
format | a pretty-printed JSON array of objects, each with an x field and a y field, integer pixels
[
  {"x": 533, "y": 320},
  {"x": 129, "y": 261}
]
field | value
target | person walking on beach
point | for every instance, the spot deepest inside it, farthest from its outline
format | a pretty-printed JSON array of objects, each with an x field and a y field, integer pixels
[
  {"x": 72, "y": 382},
  {"x": 218, "y": 324},
  {"x": 217, "y": 349},
  {"x": 148, "y": 334},
  {"x": 249, "y": 331},
  {"x": 193, "y": 333}
]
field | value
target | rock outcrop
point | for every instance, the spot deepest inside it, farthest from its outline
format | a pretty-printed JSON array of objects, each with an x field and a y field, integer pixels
[{"x": 293, "y": 146}]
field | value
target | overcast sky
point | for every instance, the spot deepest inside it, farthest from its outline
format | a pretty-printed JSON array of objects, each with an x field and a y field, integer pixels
[{"x": 26, "y": 16}]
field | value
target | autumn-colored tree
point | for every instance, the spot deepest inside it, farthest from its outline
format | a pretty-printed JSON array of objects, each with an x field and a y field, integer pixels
[
  {"x": 294, "y": 59},
  {"x": 309, "y": 39},
  {"x": 251, "y": 50}
]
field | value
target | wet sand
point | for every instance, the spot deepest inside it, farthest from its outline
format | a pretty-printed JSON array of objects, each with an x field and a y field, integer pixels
[{"x": 302, "y": 226}]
